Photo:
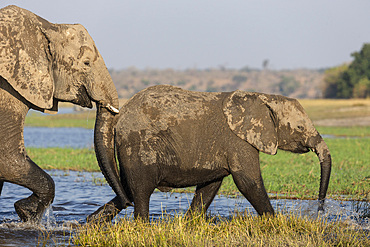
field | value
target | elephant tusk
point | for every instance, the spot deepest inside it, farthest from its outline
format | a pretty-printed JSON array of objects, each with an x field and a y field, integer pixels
[{"x": 112, "y": 109}]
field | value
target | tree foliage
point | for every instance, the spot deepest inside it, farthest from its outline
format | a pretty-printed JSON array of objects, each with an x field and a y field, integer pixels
[
  {"x": 288, "y": 85},
  {"x": 350, "y": 81}
]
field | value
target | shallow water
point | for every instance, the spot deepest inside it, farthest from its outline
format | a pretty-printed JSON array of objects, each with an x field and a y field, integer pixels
[{"x": 80, "y": 193}]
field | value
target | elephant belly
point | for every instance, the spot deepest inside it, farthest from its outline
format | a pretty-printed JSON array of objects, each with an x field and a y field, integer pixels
[{"x": 179, "y": 178}]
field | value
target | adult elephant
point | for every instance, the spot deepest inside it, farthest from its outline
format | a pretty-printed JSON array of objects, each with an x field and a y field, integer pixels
[
  {"x": 42, "y": 63},
  {"x": 168, "y": 137}
]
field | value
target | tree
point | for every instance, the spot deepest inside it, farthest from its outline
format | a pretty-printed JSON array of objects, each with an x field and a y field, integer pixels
[
  {"x": 352, "y": 81},
  {"x": 362, "y": 88},
  {"x": 333, "y": 83},
  {"x": 288, "y": 85}
]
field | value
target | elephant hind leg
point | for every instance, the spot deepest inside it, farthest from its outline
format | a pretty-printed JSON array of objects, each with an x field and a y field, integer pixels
[
  {"x": 106, "y": 212},
  {"x": 141, "y": 194},
  {"x": 203, "y": 197}
]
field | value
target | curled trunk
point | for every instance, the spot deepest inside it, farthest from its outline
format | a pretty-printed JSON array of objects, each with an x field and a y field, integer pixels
[{"x": 104, "y": 149}]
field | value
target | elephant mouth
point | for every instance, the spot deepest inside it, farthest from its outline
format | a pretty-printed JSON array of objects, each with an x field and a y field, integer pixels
[
  {"x": 82, "y": 98},
  {"x": 295, "y": 147}
]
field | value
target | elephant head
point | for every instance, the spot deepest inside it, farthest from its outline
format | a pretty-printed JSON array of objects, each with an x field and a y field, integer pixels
[
  {"x": 271, "y": 122},
  {"x": 47, "y": 63}
]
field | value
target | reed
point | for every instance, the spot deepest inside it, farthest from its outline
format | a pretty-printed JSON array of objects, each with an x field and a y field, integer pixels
[{"x": 238, "y": 230}]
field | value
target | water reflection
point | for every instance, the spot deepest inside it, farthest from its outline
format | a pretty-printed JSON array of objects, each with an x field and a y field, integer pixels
[{"x": 80, "y": 193}]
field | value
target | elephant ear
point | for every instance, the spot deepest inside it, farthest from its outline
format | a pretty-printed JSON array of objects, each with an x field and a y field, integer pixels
[
  {"x": 251, "y": 120},
  {"x": 24, "y": 56}
]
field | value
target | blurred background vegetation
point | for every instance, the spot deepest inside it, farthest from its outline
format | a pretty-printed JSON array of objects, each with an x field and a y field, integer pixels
[{"x": 350, "y": 80}]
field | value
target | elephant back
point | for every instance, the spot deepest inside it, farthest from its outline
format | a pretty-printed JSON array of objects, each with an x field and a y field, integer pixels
[{"x": 160, "y": 107}]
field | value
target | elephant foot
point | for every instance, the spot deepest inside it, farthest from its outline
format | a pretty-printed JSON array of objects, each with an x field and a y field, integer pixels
[
  {"x": 29, "y": 209},
  {"x": 104, "y": 214}
]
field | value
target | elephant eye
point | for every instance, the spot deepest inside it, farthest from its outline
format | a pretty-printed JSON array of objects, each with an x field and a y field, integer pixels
[
  {"x": 300, "y": 127},
  {"x": 87, "y": 63}
]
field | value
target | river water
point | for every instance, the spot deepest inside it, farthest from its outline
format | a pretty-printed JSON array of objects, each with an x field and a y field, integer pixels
[{"x": 78, "y": 194}]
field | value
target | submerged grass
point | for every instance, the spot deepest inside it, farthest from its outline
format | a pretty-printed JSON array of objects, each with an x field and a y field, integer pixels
[{"x": 239, "y": 230}]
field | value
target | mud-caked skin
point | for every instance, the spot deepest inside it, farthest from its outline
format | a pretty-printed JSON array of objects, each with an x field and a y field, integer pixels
[
  {"x": 167, "y": 137},
  {"x": 42, "y": 63}
]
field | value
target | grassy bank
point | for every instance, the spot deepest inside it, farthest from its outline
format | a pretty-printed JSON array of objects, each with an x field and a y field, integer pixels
[
  {"x": 64, "y": 159},
  {"x": 286, "y": 174},
  {"x": 236, "y": 231}
]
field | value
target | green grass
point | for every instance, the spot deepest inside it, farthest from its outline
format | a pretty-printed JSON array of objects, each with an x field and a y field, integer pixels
[
  {"x": 240, "y": 230},
  {"x": 357, "y": 131},
  {"x": 299, "y": 175},
  {"x": 64, "y": 158},
  {"x": 288, "y": 175}
]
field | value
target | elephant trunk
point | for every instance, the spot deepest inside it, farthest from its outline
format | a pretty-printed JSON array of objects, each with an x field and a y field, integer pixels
[
  {"x": 107, "y": 107},
  {"x": 105, "y": 154},
  {"x": 322, "y": 152}
]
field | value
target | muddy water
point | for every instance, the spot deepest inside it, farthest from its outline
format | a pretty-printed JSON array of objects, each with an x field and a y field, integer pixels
[{"x": 80, "y": 193}]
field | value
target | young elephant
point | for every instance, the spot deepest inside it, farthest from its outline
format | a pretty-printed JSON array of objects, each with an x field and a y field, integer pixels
[{"x": 169, "y": 137}]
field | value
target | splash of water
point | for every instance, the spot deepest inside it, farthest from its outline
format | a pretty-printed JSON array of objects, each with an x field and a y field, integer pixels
[
  {"x": 48, "y": 219},
  {"x": 333, "y": 211}
]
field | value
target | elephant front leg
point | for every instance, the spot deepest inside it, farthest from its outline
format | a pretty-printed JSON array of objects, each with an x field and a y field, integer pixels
[
  {"x": 29, "y": 175},
  {"x": 204, "y": 195},
  {"x": 246, "y": 173},
  {"x": 254, "y": 190}
]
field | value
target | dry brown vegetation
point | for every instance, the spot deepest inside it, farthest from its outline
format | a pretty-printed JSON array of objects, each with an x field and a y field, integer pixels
[{"x": 302, "y": 83}]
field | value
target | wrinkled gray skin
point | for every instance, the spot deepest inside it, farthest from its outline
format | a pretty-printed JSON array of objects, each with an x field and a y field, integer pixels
[
  {"x": 167, "y": 137},
  {"x": 41, "y": 64}
]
